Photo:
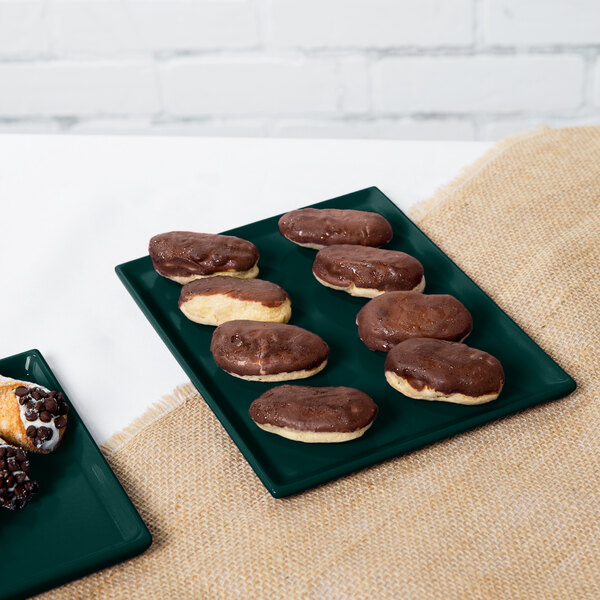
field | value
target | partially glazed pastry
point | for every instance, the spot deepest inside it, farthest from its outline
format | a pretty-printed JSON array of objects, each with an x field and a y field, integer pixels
[
  {"x": 268, "y": 351},
  {"x": 318, "y": 227},
  {"x": 184, "y": 256},
  {"x": 432, "y": 369},
  {"x": 367, "y": 272},
  {"x": 16, "y": 488},
  {"x": 394, "y": 317},
  {"x": 31, "y": 416},
  {"x": 314, "y": 414},
  {"x": 216, "y": 300}
]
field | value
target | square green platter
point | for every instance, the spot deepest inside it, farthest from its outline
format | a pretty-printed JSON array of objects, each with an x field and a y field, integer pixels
[
  {"x": 80, "y": 521},
  {"x": 402, "y": 424}
]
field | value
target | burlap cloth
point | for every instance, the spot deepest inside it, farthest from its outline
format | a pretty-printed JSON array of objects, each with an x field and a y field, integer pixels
[{"x": 510, "y": 510}]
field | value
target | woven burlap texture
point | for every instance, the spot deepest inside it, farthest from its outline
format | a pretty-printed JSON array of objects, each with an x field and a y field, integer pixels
[{"x": 508, "y": 511}]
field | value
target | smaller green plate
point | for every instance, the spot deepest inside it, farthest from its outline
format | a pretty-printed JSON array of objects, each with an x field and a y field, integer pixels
[
  {"x": 402, "y": 424},
  {"x": 81, "y": 520}
]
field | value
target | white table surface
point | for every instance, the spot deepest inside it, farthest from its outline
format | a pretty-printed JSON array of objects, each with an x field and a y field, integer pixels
[{"x": 74, "y": 207}]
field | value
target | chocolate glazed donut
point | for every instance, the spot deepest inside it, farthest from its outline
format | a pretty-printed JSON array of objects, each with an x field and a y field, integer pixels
[
  {"x": 315, "y": 228},
  {"x": 262, "y": 351},
  {"x": 216, "y": 300},
  {"x": 185, "y": 255},
  {"x": 432, "y": 369},
  {"x": 367, "y": 272},
  {"x": 396, "y": 316},
  {"x": 314, "y": 414}
]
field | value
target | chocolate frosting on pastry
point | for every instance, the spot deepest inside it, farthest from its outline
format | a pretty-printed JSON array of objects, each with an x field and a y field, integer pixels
[
  {"x": 185, "y": 253},
  {"x": 394, "y": 317},
  {"x": 365, "y": 267},
  {"x": 264, "y": 348},
  {"x": 447, "y": 367},
  {"x": 305, "y": 408},
  {"x": 254, "y": 290},
  {"x": 328, "y": 226}
]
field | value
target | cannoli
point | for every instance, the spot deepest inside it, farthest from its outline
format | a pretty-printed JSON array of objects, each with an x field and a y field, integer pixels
[
  {"x": 16, "y": 488},
  {"x": 31, "y": 416}
]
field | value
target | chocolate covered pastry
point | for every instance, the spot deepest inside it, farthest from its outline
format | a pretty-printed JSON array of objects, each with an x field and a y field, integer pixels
[
  {"x": 432, "y": 369},
  {"x": 318, "y": 227},
  {"x": 394, "y": 317},
  {"x": 216, "y": 300},
  {"x": 184, "y": 256},
  {"x": 16, "y": 488},
  {"x": 31, "y": 416},
  {"x": 268, "y": 351},
  {"x": 367, "y": 272},
  {"x": 314, "y": 414}
]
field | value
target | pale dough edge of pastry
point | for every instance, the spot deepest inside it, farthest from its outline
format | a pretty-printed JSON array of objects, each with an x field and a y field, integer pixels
[
  {"x": 366, "y": 292},
  {"x": 288, "y": 376},
  {"x": 249, "y": 274},
  {"x": 215, "y": 309},
  {"x": 314, "y": 437},
  {"x": 401, "y": 385}
]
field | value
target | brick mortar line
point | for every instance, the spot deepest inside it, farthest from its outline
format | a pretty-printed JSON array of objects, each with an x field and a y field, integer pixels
[
  {"x": 590, "y": 50},
  {"x": 160, "y": 118}
]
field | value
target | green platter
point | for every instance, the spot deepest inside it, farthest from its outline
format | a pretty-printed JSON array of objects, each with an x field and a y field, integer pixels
[
  {"x": 403, "y": 424},
  {"x": 81, "y": 520}
]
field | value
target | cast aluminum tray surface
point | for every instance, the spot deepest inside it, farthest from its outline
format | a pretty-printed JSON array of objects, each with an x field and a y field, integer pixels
[{"x": 403, "y": 424}]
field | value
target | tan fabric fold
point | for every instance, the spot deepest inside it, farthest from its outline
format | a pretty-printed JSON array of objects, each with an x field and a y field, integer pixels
[{"x": 508, "y": 511}]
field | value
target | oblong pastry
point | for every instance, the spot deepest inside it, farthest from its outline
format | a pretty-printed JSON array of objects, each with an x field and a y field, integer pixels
[
  {"x": 432, "y": 369},
  {"x": 318, "y": 227},
  {"x": 259, "y": 351},
  {"x": 31, "y": 416},
  {"x": 16, "y": 487},
  {"x": 394, "y": 317},
  {"x": 185, "y": 255},
  {"x": 367, "y": 272},
  {"x": 314, "y": 414},
  {"x": 216, "y": 300}
]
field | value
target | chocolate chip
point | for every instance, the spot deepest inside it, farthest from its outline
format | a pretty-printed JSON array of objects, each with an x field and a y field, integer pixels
[
  {"x": 43, "y": 393},
  {"x": 36, "y": 394},
  {"x": 45, "y": 433},
  {"x": 51, "y": 405},
  {"x": 45, "y": 416},
  {"x": 21, "y": 391},
  {"x": 31, "y": 415},
  {"x": 60, "y": 422},
  {"x": 31, "y": 431}
]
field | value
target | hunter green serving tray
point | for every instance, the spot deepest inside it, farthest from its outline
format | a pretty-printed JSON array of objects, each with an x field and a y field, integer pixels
[
  {"x": 80, "y": 521},
  {"x": 402, "y": 424}
]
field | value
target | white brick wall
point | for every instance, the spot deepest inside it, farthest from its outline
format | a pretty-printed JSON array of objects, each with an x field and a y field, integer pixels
[{"x": 422, "y": 69}]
